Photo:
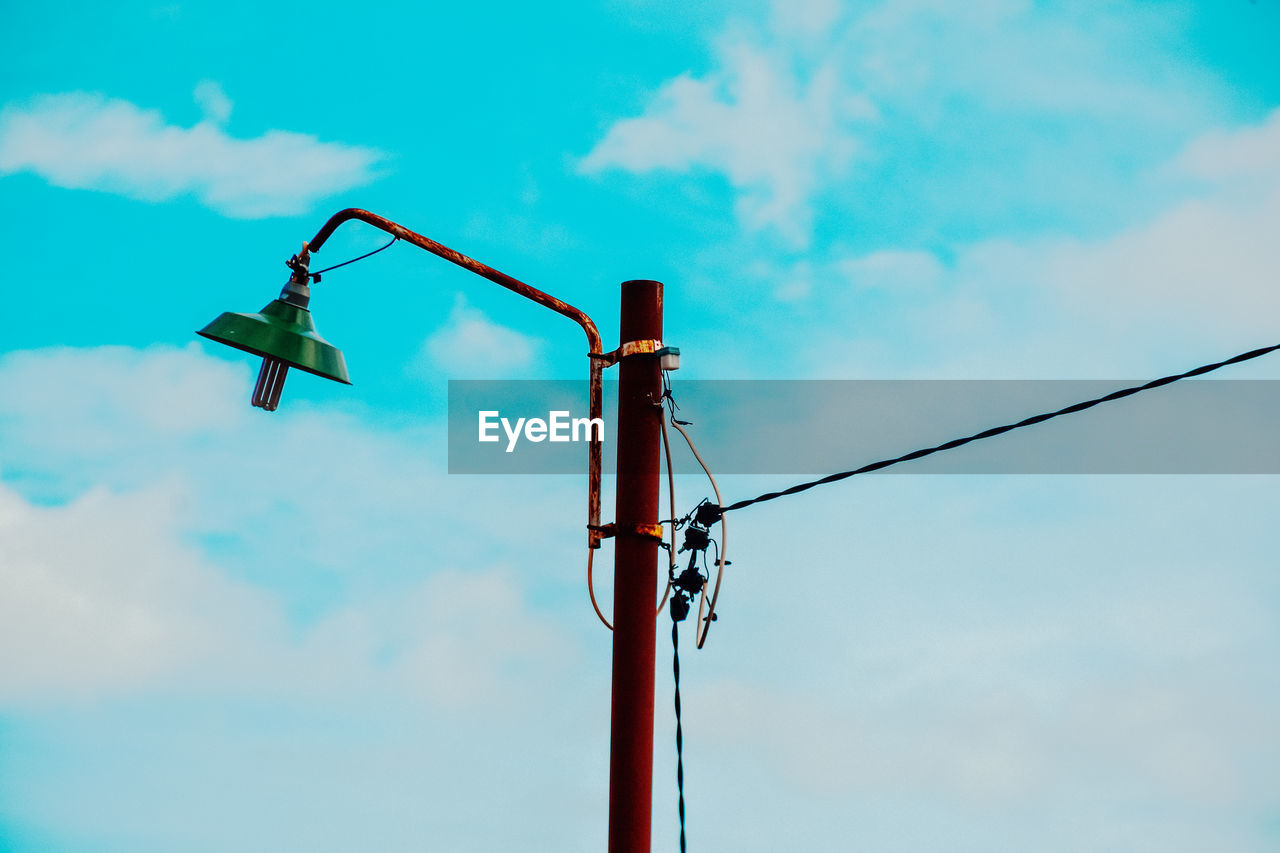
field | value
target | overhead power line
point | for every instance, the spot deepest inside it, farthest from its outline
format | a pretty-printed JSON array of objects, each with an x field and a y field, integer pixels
[{"x": 994, "y": 431}]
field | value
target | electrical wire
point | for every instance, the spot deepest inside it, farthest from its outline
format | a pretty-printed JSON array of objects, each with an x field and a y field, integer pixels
[
  {"x": 671, "y": 525},
  {"x": 315, "y": 276},
  {"x": 671, "y": 549},
  {"x": 704, "y": 625},
  {"x": 591, "y": 589},
  {"x": 675, "y": 667},
  {"x": 994, "y": 431}
]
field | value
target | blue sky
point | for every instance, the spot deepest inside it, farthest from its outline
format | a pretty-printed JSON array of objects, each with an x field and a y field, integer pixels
[{"x": 227, "y": 630}]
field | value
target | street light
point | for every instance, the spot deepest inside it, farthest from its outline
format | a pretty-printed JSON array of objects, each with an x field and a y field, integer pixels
[{"x": 284, "y": 334}]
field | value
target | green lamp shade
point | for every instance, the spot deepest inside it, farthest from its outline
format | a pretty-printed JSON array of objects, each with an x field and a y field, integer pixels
[{"x": 280, "y": 332}]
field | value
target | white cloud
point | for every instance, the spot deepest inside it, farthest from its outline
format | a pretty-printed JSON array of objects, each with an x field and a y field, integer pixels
[
  {"x": 127, "y": 419},
  {"x": 999, "y": 649},
  {"x": 1079, "y": 61},
  {"x": 939, "y": 682},
  {"x": 1182, "y": 742},
  {"x": 892, "y": 270},
  {"x": 471, "y": 344},
  {"x": 1192, "y": 282},
  {"x": 86, "y": 141},
  {"x": 1199, "y": 274},
  {"x": 91, "y": 400},
  {"x": 102, "y": 596},
  {"x": 1251, "y": 153},
  {"x": 829, "y": 97},
  {"x": 172, "y": 606},
  {"x": 116, "y": 589},
  {"x": 805, "y": 17},
  {"x": 106, "y": 596},
  {"x": 213, "y": 101},
  {"x": 1206, "y": 267},
  {"x": 456, "y": 640},
  {"x": 774, "y": 135}
]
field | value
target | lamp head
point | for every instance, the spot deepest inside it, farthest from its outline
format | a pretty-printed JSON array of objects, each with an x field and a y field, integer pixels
[{"x": 284, "y": 334}]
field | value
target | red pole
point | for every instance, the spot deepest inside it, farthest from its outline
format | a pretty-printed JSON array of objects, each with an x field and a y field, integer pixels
[{"x": 635, "y": 575}]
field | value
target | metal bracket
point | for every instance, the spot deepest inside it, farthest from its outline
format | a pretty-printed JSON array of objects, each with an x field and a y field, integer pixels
[
  {"x": 644, "y": 531},
  {"x": 630, "y": 348}
]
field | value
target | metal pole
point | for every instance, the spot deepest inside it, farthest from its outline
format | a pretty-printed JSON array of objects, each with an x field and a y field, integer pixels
[
  {"x": 512, "y": 284},
  {"x": 635, "y": 574}
]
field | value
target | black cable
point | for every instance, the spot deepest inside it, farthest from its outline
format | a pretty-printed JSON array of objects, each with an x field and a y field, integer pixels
[
  {"x": 316, "y": 275},
  {"x": 675, "y": 645},
  {"x": 994, "y": 431}
]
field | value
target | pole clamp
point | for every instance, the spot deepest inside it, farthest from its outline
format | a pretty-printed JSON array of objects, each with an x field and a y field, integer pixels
[
  {"x": 643, "y": 531},
  {"x": 630, "y": 348}
]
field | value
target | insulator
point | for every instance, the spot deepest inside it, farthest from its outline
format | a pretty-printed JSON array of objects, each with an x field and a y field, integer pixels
[{"x": 695, "y": 539}]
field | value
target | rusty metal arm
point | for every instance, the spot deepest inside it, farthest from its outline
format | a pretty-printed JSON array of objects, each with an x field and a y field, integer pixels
[{"x": 516, "y": 286}]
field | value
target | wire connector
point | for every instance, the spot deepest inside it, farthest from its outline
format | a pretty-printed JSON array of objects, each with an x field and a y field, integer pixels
[
  {"x": 707, "y": 514},
  {"x": 696, "y": 538},
  {"x": 299, "y": 264}
]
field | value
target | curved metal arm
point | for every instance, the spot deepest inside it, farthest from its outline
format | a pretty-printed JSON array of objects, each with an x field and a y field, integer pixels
[{"x": 516, "y": 286}]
